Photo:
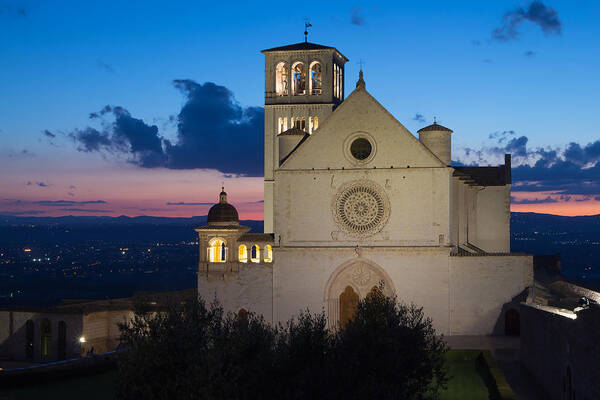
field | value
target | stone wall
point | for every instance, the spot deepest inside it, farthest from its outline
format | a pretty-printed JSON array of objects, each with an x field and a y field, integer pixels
[
  {"x": 554, "y": 347},
  {"x": 250, "y": 288}
]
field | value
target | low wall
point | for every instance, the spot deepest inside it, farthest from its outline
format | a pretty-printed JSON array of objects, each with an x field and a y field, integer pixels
[{"x": 561, "y": 352}]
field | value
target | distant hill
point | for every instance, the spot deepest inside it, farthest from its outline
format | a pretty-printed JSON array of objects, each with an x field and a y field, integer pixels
[{"x": 533, "y": 222}]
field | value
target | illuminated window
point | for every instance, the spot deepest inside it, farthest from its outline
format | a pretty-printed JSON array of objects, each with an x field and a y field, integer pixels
[
  {"x": 283, "y": 126},
  {"x": 243, "y": 253},
  {"x": 316, "y": 80},
  {"x": 299, "y": 123},
  {"x": 268, "y": 254},
  {"x": 217, "y": 250},
  {"x": 299, "y": 79},
  {"x": 313, "y": 124},
  {"x": 255, "y": 256},
  {"x": 281, "y": 79}
]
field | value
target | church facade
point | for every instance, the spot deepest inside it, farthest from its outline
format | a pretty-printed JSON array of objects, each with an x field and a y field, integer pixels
[{"x": 353, "y": 202}]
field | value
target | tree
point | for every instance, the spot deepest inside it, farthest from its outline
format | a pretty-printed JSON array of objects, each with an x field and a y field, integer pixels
[{"x": 188, "y": 350}]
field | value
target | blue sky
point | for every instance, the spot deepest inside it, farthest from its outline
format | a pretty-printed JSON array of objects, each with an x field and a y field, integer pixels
[{"x": 62, "y": 60}]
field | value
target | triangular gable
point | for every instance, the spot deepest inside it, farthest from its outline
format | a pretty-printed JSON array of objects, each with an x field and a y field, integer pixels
[{"x": 361, "y": 112}]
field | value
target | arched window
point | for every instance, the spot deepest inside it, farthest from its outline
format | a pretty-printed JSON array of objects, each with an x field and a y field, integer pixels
[
  {"x": 242, "y": 315},
  {"x": 313, "y": 124},
  {"x": 61, "y": 353},
  {"x": 243, "y": 253},
  {"x": 348, "y": 304},
  {"x": 316, "y": 78},
  {"x": 281, "y": 79},
  {"x": 217, "y": 250},
  {"x": 268, "y": 253},
  {"x": 298, "y": 79},
  {"x": 29, "y": 331},
  {"x": 46, "y": 339},
  {"x": 255, "y": 256}
]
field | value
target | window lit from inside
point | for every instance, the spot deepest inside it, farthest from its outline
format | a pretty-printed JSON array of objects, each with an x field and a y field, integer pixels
[
  {"x": 217, "y": 250},
  {"x": 299, "y": 79}
]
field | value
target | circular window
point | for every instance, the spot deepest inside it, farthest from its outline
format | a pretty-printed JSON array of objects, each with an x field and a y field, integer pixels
[
  {"x": 361, "y": 209},
  {"x": 361, "y": 149}
]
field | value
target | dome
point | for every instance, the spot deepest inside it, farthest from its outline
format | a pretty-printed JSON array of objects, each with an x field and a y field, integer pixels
[
  {"x": 435, "y": 127},
  {"x": 222, "y": 213}
]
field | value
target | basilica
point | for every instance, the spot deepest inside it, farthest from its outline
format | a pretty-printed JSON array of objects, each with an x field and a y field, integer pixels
[{"x": 353, "y": 202}]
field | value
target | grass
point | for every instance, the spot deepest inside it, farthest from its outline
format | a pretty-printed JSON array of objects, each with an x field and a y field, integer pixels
[
  {"x": 97, "y": 386},
  {"x": 465, "y": 382}
]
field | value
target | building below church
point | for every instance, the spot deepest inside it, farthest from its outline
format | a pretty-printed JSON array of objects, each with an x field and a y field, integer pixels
[{"x": 353, "y": 200}]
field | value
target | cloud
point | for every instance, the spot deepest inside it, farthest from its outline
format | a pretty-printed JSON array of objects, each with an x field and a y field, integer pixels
[
  {"x": 356, "y": 18},
  {"x": 85, "y": 210},
  {"x": 20, "y": 213},
  {"x": 213, "y": 132},
  {"x": 12, "y": 10},
  {"x": 537, "y": 13},
  {"x": 62, "y": 203},
  {"x": 419, "y": 118},
  {"x": 105, "y": 66},
  {"x": 547, "y": 199},
  {"x": 48, "y": 134},
  {"x": 501, "y": 136},
  {"x": 529, "y": 53},
  {"x": 42, "y": 184},
  {"x": 181, "y": 203}
]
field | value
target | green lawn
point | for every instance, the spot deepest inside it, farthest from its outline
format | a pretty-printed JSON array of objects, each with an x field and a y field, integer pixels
[
  {"x": 465, "y": 382},
  {"x": 98, "y": 386}
]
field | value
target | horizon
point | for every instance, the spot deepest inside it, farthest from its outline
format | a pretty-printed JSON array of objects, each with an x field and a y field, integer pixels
[{"x": 152, "y": 113}]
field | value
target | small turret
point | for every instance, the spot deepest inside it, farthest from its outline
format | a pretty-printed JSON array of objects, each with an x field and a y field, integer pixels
[{"x": 437, "y": 139}]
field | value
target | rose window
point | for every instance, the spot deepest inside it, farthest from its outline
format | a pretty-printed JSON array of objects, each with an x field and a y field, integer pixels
[{"x": 361, "y": 209}]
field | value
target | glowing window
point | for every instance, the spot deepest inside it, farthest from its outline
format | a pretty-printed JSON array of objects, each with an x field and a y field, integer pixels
[
  {"x": 217, "y": 250},
  {"x": 313, "y": 124},
  {"x": 283, "y": 126},
  {"x": 298, "y": 79},
  {"x": 243, "y": 253},
  {"x": 255, "y": 256},
  {"x": 299, "y": 123},
  {"x": 281, "y": 79},
  {"x": 316, "y": 79},
  {"x": 268, "y": 254}
]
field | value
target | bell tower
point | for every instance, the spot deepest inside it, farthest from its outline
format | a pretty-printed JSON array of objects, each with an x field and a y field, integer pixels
[{"x": 304, "y": 83}]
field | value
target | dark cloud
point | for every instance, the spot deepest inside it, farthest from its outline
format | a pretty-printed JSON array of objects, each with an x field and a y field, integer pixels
[
  {"x": 537, "y": 13},
  {"x": 20, "y": 213},
  {"x": 48, "y": 134},
  {"x": 42, "y": 184},
  {"x": 356, "y": 18},
  {"x": 501, "y": 136},
  {"x": 213, "y": 132},
  {"x": 547, "y": 199},
  {"x": 419, "y": 118},
  {"x": 85, "y": 210},
  {"x": 90, "y": 139},
  {"x": 12, "y": 10},
  {"x": 63, "y": 203},
  {"x": 105, "y": 66},
  {"x": 72, "y": 187},
  {"x": 529, "y": 53},
  {"x": 182, "y": 203}
]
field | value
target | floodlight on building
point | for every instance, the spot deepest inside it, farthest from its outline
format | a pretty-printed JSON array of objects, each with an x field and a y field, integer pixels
[{"x": 82, "y": 339}]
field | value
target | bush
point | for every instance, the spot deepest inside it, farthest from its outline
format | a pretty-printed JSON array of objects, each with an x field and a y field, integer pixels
[{"x": 188, "y": 350}]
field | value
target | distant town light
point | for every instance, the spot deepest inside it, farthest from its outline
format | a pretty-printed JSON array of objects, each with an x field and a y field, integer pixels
[
  {"x": 27, "y": 250},
  {"x": 82, "y": 339}
]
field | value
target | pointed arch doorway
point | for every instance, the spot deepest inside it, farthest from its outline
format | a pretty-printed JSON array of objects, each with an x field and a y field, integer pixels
[{"x": 350, "y": 282}]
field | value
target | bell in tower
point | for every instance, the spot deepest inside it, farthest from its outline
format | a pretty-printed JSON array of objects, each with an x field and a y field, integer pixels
[{"x": 304, "y": 83}]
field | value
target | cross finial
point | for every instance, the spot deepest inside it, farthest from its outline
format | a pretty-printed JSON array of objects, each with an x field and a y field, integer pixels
[
  {"x": 361, "y": 82},
  {"x": 306, "y": 26}
]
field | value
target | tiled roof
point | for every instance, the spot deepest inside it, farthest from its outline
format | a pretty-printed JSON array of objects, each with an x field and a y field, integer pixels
[
  {"x": 293, "y": 131},
  {"x": 483, "y": 176},
  {"x": 299, "y": 46},
  {"x": 257, "y": 237},
  {"x": 434, "y": 127}
]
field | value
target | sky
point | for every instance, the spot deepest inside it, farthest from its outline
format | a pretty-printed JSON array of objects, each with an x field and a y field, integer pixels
[{"x": 131, "y": 108}]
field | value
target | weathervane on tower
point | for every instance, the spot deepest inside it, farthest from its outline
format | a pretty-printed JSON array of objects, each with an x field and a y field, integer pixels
[{"x": 306, "y": 26}]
